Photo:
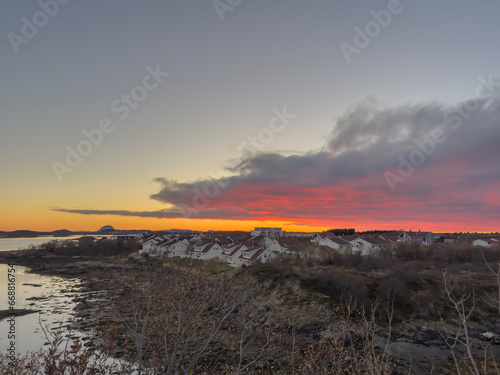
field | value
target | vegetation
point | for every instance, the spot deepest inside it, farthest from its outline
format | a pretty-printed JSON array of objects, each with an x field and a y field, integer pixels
[
  {"x": 86, "y": 246},
  {"x": 339, "y": 314}
]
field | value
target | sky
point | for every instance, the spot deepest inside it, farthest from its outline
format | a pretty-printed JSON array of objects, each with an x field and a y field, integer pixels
[{"x": 231, "y": 114}]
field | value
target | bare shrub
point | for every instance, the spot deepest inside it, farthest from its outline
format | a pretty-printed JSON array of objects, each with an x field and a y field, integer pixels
[
  {"x": 63, "y": 357},
  {"x": 339, "y": 285}
]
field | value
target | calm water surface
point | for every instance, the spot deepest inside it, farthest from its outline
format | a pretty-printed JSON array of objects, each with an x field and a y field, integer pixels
[
  {"x": 7, "y": 244},
  {"x": 52, "y": 295}
]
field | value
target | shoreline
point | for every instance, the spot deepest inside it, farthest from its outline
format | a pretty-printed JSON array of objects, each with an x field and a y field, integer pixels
[{"x": 90, "y": 270}]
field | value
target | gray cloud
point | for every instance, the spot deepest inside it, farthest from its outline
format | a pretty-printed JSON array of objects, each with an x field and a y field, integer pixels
[{"x": 346, "y": 176}]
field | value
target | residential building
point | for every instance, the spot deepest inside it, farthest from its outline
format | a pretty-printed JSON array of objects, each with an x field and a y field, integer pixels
[
  {"x": 206, "y": 250},
  {"x": 485, "y": 242},
  {"x": 256, "y": 255},
  {"x": 269, "y": 232},
  {"x": 371, "y": 246},
  {"x": 424, "y": 238}
]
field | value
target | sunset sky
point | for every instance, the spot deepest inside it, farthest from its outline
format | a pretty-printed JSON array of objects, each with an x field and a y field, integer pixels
[{"x": 230, "y": 114}]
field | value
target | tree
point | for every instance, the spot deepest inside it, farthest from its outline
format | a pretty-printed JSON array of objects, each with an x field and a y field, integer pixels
[
  {"x": 176, "y": 319},
  {"x": 494, "y": 301},
  {"x": 356, "y": 348},
  {"x": 463, "y": 303}
]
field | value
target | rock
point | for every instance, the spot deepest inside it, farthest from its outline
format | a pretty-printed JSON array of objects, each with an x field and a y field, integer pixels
[
  {"x": 312, "y": 329},
  {"x": 487, "y": 336},
  {"x": 328, "y": 334}
]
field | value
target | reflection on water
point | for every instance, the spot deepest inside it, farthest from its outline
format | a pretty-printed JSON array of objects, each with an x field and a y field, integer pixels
[{"x": 52, "y": 295}]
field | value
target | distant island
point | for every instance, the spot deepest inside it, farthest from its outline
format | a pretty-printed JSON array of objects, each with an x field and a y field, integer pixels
[
  {"x": 30, "y": 233},
  {"x": 106, "y": 228},
  {"x": 24, "y": 233}
]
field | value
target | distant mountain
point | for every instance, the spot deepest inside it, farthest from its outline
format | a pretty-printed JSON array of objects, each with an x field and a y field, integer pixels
[
  {"x": 22, "y": 233},
  {"x": 106, "y": 228},
  {"x": 62, "y": 233}
]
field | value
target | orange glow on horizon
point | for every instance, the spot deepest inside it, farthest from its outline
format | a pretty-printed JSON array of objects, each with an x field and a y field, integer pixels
[{"x": 54, "y": 221}]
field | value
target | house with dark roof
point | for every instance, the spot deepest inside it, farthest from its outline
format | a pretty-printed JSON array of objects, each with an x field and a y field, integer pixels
[
  {"x": 224, "y": 241},
  {"x": 206, "y": 249},
  {"x": 231, "y": 253},
  {"x": 147, "y": 238},
  {"x": 255, "y": 255},
  {"x": 424, "y": 238},
  {"x": 159, "y": 248},
  {"x": 315, "y": 237},
  {"x": 155, "y": 246},
  {"x": 348, "y": 237},
  {"x": 336, "y": 243},
  {"x": 444, "y": 238},
  {"x": 271, "y": 244},
  {"x": 371, "y": 246},
  {"x": 390, "y": 237},
  {"x": 291, "y": 245}
]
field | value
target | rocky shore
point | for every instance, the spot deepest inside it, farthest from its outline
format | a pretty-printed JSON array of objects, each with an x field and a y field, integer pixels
[{"x": 89, "y": 301}]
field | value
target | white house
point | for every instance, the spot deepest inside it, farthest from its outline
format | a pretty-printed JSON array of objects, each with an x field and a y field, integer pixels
[
  {"x": 425, "y": 238},
  {"x": 178, "y": 248},
  {"x": 484, "y": 242},
  {"x": 316, "y": 237},
  {"x": 154, "y": 246},
  {"x": 271, "y": 244},
  {"x": 256, "y": 255},
  {"x": 146, "y": 237},
  {"x": 160, "y": 249},
  {"x": 232, "y": 252},
  {"x": 206, "y": 250},
  {"x": 148, "y": 243},
  {"x": 336, "y": 243},
  {"x": 370, "y": 246}
]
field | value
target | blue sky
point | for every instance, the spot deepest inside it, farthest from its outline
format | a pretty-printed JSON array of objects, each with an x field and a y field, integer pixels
[{"x": 226, "y": 79}]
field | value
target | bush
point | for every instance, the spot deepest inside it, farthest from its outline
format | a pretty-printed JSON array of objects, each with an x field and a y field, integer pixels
[{"x": 341, "y": 285}]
